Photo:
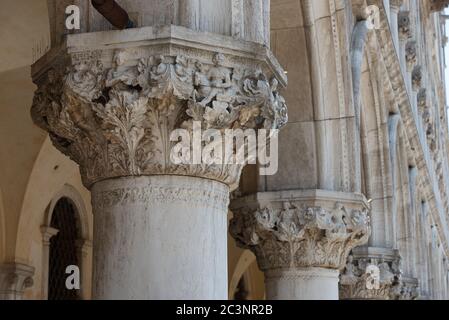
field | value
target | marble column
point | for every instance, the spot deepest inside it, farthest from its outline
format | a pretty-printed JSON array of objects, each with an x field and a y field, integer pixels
[
  {"x": 14, "y": 279},
  {"x": 112, "y": 100},
  {"x": 301, "y": 239}
]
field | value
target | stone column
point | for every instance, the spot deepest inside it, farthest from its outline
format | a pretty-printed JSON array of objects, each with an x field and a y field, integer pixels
[
  {"x": 14, "y": 279},
  {"x": 111, "y": 101},
  {"x": 301, "y": 239}
]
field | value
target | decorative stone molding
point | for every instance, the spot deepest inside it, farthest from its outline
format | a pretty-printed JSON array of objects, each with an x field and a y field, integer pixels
[
  {"x": 300, "y": 230},
  {"x": 112, "y": 110},
  {"x": 14, "y": 279},
  {"x": 405, "y": 31},
  {"x": 358, "y": 282}
]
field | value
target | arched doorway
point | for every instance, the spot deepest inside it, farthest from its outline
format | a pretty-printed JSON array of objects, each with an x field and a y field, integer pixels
[{"x": 63, "y": 250}]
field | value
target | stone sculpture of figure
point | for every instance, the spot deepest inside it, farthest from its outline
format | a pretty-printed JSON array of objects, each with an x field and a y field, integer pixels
[
  {"x": 121, "y": 76},
  {"x": 216, "y": 83}
]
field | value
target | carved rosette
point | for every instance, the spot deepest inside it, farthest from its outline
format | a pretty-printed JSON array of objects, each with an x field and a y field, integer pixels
[
  {"x": 357, "y": 283},
  {"x": 116, "y": 121},
  {"x": 294, "y": 234}
]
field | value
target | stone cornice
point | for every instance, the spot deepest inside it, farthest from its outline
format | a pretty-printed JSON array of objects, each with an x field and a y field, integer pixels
[{"x": 402, "y": 99}]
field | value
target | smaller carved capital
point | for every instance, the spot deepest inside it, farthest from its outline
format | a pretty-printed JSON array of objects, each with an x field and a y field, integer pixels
[
  {"x": 395, "y": 5},
  {"x": 14, "y": 279},
  {"x": 301, "y": 232}
]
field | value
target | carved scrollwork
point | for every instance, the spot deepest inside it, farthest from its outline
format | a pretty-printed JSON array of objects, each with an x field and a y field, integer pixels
[
  {"x": 303, "y": 236},
  {"x": 117, "y": 121}
]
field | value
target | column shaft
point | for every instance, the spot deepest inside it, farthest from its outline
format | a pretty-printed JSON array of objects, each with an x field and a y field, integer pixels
[{"x": 302, "y": 284}]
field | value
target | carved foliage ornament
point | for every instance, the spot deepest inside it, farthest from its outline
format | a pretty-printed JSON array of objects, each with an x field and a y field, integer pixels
[
  {"x": 117, "y": 122},
  {"x": 300, "y": 236}
]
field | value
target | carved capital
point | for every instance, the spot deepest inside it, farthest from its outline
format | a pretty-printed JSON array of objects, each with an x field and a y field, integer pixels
[
  {"x": 14, "y": 279},
  {"x": 376, "y": 274},
  {"x": 113, "y": 111},
  {"x": 301, "y": 230}
]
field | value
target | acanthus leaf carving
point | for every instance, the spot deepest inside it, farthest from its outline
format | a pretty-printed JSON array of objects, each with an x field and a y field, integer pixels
[{"x": 300, "y": 236}]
